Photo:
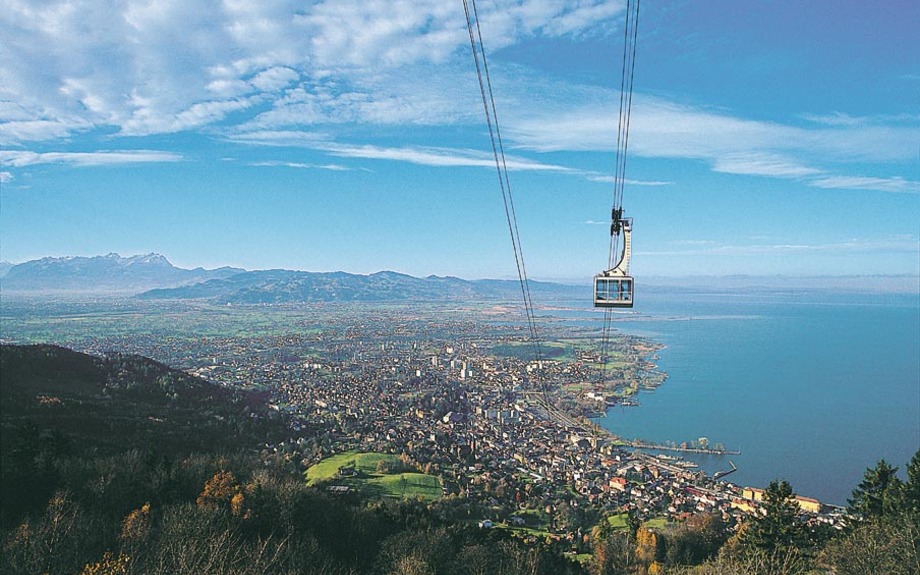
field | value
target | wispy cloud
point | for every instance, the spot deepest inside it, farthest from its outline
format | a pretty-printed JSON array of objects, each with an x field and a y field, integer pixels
[
  {"x": 20, "y": 159},
  {"x": 304, "y": 166},
  {"x": 16, "y": 131},
  {"x": 6, "y": 177},
  {"x": 609, "y": 179},
  {"x": 444, "y": 157},
  {"x": 900, "y": 244},
  {"x": 761, "y": 164},
  {"x": 424, "y": 156},
  {"x": 895, "y": 184},
  {"x": 661, "y": 128},
  {"x": 282, "y": 138},
  {"x": 727, "y": 143}
]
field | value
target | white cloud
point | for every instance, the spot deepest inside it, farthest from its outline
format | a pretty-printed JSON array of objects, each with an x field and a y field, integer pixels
[
  {"x": 609, "y": 179},
  {"x": 145, "y": 120},
  {"x": 659, "y": 128},
  {"x": 442, "y": 157},
  {"x": 31, "y": 130},
  {"x": 228, "y": 87},
  {"x": 426, "y": 156},
  {"x": 175, "y": 65},
  {"x": 20, "y": 159},
  {"x": 295, "y": 138},
  {"x": 900, "y": 244},
  {"x": 274, "y": 78},
  {"x": 729, "y": 144},
  {"x": 581, "y": 15},
  {"x": 283, "y": 71},
  {"x": 300, "y": 165},
  {"x": 895, "y": 184},
  {"x": 6, "y": 177},
  {"x": 834, "y": 119},
  {"x": 761, "y": 164}
]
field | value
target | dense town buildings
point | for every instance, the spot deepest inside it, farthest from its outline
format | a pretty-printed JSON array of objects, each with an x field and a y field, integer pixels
[{"x": 465, "y": 396}]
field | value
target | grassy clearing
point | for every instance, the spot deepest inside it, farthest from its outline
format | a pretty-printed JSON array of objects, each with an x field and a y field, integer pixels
[
  {"x": 656, "y": 523},
  {"x": 404, "y": 486},
  {"x": 619, "y": 522},
  {"x": 329, "y": 468},
  {"x": 575, "y": 387},
  {"x": 526, "y": 531},
  {"x": 524, "y": 350},
  {"x": 370, "y": 482},
  {"x": 364, "y": 463}
]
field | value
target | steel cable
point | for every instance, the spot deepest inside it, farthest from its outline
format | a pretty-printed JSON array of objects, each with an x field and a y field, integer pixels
[{"x": 498, "y": 152}]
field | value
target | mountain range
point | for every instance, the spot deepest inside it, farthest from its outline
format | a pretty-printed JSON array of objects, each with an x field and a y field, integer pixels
[
  {"x": 102, "y": 274},
  {"x": 153, "y": 277},
  {"x": 286, "y": 286},
  {"x": 4, "y": 268}
]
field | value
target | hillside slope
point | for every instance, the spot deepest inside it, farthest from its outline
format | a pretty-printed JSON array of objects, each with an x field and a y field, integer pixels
[{"x": 122, "y": 402}]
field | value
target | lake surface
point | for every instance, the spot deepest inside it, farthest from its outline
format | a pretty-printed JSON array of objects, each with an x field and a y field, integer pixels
[{"x": 811, "y": 387}]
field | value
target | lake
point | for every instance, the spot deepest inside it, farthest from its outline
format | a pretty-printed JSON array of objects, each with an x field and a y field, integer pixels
[{"x": 812, "y": 387}]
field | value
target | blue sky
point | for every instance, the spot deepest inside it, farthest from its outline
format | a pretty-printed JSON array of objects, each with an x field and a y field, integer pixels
[{"x": 770, "y": 137}]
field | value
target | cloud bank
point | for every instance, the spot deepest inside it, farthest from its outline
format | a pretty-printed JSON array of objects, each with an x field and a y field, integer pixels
[{"x": 285, "y": 72}]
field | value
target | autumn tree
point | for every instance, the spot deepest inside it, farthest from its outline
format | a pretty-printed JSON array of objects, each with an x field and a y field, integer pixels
[
  {"x": 136, "y": 525},
  {"x": 649, "y": 549},
  {"x": 612, "y": 551},
  {"x": 109, "y": 565},
  {"x": 218, "y": 491}
]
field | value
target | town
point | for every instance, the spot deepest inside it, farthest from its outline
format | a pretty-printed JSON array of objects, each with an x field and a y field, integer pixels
[{"x": 459, "y": 394}]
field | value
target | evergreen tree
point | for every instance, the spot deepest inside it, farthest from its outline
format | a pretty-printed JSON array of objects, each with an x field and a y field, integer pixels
[
  {"x": 777, "y": 527},
  {"x": 878, "y": 493},
  {"x": 910, "y": 493}
]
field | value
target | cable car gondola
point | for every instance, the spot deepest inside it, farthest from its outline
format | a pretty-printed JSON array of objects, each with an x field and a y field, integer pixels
[{"x": 614, "y": 287}]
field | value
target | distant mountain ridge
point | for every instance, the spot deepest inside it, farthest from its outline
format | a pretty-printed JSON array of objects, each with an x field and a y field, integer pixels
[
  {"x": 286, "y": 286},
  {"x": 152, "y": 277},
  {"x": 109, "y": 273}
]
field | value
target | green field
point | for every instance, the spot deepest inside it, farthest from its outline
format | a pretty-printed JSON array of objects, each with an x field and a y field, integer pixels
[
  {"x": 365, "y": 463},
  {"x": 525, "y": 350},
  {"x": 619, "y": 522},
  {"x": 404, "y": 485}
]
